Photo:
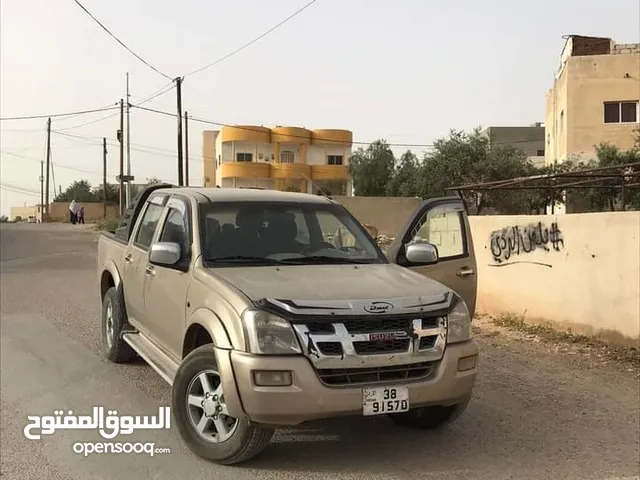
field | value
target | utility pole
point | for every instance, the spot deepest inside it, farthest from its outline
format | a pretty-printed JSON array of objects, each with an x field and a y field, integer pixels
[
  {"x": 104, "y": 177},
  {"x": 128, "y": 145},
  {"x": 178, "y": 81},
  {"x": 121, "y": 179},
  {"x": 41, "y": 189},
  {"x": 186, "y": 149},
  {"x": 46, "y": 194}
]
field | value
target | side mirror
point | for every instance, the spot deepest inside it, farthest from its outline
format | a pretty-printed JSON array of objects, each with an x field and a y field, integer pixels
[
  {"x": 422, "y": 253},
  {"x": 164, "y": 253}
]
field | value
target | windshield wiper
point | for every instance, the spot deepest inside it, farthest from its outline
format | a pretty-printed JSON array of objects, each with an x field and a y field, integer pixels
[
  {"x": 250, "y": 259},
  {"x": 330, "y": 259}
]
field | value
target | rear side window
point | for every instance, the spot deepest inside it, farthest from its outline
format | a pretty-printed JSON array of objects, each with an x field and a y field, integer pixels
[
  {"x": 175, "y": 231},
  {"x": 144, "y": 235}
]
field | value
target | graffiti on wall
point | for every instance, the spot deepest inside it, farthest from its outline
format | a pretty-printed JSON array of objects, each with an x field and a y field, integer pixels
[{"x": 510, "y": 243}]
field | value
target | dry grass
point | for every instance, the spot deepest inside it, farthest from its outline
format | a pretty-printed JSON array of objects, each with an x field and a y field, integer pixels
[
  {"x": 565, "y": 341},
  {"x": 108, "y": 224}
]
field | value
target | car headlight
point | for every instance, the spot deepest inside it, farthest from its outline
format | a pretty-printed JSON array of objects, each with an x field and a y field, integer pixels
[
  {"x": 459, "y": 323},
  {"x": 268, "y": 334}
]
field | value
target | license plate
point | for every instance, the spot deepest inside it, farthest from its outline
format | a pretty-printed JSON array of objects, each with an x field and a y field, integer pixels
[{"x": 383, "y": 400}]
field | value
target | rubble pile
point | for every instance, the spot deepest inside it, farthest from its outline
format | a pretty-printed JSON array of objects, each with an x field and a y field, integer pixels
[{"x": 384, "y": 241}]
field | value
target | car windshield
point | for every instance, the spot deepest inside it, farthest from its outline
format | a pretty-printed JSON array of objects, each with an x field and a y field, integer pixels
[{"x": 277, "y": 233}]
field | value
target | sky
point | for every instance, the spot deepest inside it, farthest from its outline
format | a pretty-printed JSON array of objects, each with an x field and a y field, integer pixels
[{"x": 407, "y": 71}]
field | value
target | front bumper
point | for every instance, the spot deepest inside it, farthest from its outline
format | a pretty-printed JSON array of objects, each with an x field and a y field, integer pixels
[{"x": 307, "y": 398}]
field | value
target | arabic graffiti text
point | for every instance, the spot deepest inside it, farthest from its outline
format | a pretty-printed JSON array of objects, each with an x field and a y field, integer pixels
[{"x": 523, "y": 239}]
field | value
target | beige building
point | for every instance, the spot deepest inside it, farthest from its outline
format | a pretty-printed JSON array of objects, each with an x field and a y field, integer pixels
[
  {"x": 26, "y": 212},
  {"x": 281, "y": 158},
  {"x": 529, "y": 139},
  {"x": 594, "y": 99}
]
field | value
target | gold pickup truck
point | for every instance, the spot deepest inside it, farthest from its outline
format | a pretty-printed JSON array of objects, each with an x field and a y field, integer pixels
[{"x": 245, "y": 304}]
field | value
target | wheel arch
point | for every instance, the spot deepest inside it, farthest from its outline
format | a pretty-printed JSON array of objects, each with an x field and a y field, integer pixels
[
  {"x": 109, "y": 277},
  {"x": 202, "y": 324}
]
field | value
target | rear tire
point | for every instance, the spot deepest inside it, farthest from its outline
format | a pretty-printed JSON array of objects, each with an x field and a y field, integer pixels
[
  {"x": 198, "y": 406},
  {"x": 113, "y": 324},
  {"x": 428, "y": 418}
]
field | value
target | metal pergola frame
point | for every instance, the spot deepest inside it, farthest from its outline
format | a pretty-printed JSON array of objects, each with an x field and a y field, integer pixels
[{"x": 622, "y": 176}]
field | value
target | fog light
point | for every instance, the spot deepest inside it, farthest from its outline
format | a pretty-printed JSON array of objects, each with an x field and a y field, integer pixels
[
  {"x": 271, "y": 378},
  {"x": 467, "y": 363}
]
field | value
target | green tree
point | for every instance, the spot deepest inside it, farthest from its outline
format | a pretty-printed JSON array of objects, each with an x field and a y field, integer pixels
[
  {"x": 469, "y": 158},
  {"x": 113, "y": 193},
  {"x": 372, "y": 169},
  {"x": 80, "y": 191},
  {"x": 603, "y": 199},
  {"x": 404, "y": 182}
]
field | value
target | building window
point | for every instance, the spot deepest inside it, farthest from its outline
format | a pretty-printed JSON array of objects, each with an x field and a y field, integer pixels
[
  {"x": 620, "y": 112},
  {"x": 540, "y": 153},
  {"x": 287, "y": 156},
  {"x": 244, "y": 157},
  {"x": 334, "y": 159}
]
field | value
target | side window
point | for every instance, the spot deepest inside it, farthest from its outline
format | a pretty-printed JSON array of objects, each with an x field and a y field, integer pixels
[
  {"x": 442, "y": 227},
  {"x": 303, "y": 229},
  {"x": 175, "y": 231},
  {"x": 144, "y": 235}
]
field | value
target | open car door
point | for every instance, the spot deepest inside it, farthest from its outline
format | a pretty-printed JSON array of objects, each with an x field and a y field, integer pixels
[{"x": 443, "y": 223}]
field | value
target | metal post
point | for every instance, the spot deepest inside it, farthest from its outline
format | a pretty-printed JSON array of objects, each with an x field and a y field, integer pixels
[
  {"x": 128, "y": 191},
  {"x": 41, "y": 190},
  {"x": 104, "y": 177},
  {"x": 178, "y": 81},
  {"x": 186, "y": 150},
  {"x": 121, "y": 199},
  {"x": 45, "y": 208}
]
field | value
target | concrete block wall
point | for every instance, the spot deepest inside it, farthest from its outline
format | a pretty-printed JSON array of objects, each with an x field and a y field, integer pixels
[{"x": 577, "y": 271}]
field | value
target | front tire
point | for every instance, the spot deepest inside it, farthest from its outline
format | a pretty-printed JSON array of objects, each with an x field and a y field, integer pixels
[
  {"x": 113, "y": 324},
  {"x": 429, "y": 418},
  {"x": 202, "y": 419}
]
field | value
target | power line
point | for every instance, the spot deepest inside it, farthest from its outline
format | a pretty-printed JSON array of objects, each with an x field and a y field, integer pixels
[
  {"x": 24, "y": 157},
  {"x": 53, "y": 115},
  {"x": 238, "y": 50},
  {"x": 17, "y": 189},
  {"x": 240, "y": 127},
  {"x": 111, "y": 115},
  {"x": 162, "y": 91},
  {"x": 328, "y": 140},
  {"x": 120, "y": 42},
  {"x": 78, "y": 114}
]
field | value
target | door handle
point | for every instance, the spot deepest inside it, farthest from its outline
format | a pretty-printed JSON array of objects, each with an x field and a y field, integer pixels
[
  {"x": 128, "y": 258},
  {"x": 465, "y": 272},
  {"x": 150, "y": 271}
]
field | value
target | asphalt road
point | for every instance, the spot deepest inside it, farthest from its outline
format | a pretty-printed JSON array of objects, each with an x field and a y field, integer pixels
[{"x": 535, "y": 415}]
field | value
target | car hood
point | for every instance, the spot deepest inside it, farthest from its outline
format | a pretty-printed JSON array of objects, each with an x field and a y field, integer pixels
[{"x": 330, "y": 282}]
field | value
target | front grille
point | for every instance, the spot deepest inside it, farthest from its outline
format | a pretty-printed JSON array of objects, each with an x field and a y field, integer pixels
[
  {"x": 372, "y": 325},
  {"x": 321, "y": 328},
  {"x": 353, "y": 376},
  {"x": 383, "y": 346},
  {"x": 330, "y": 348}
]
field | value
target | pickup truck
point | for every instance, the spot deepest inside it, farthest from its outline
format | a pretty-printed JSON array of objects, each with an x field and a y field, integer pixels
[{"x": 249, "y": 304}]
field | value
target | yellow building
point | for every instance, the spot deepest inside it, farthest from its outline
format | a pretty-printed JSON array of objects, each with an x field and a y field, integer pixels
[
  {"x": 594, "y": 98},
  {"x": 281, "y": 158}
]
